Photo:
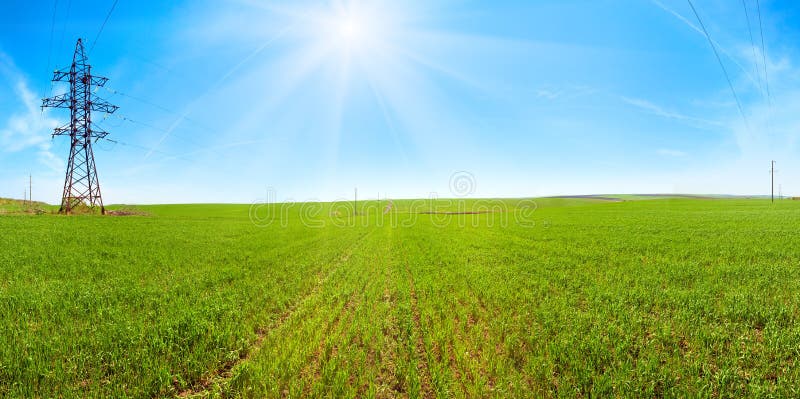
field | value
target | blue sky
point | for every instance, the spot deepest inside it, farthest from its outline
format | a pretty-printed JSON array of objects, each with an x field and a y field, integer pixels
[{"x": 221, "y": 100}]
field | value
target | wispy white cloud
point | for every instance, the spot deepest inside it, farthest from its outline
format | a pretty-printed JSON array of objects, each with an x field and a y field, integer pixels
[
  {"x": 655, "y": 109},
  {"x": 548, "y": 94},
  {"x": 667, "y": 152},
  {"x": 564, "y": 93},
  {"x": 29, "y": 128}
]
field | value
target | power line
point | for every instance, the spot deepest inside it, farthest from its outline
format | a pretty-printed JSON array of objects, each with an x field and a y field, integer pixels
[
  {"x": 103, "y": 26},
  {"x": 145, "y": 124},
  {"x": 148, "y": 102},
  {"x": 160, "y": 129},
  {"x": 50, "y": 46},
  {"x": 722, "y": 65},
  {"x": 143, "y": 148},
  {"x": 144, "y": 101},
  {"x": 160, "y": 107},
  {"x": 64, "y": 26},
  {"x": 694, "y": 27},
  {"x": 187, "y": 109},
  {"x": 185, "y": 156},
  {"x": 752, "y": 45},
  {"x": 137, "y": 146},
  {"x": 764, "y": 53}
]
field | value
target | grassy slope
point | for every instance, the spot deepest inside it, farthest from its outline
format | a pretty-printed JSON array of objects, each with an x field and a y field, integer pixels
[
  {"x": 638, "y": 298},
  {"x": 18, "y": 206}
]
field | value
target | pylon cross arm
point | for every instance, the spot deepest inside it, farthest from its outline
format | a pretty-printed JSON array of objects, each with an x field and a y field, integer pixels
[
  {"x": 97, "y": 80},
  {"x": 61, "y": 76},
  {"x": 59, "y": 101},
  {"x": 99, "y": 105},
  {"x": 62, "y": 130}
]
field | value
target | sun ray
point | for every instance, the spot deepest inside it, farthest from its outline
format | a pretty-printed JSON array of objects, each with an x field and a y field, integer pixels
[
  {"x": 331, "y": 49},
  {"x": 387, "y": 117}
]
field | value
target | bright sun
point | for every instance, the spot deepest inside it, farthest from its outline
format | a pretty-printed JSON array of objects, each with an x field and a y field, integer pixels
[
  {"x": 347, "y": 56},
  {"x": 350, "y": 29},
  {"x": 353, "y": 30}
]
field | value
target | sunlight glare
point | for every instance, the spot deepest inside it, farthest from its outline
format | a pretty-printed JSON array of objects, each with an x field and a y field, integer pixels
[{"x": 350, "y": 29}]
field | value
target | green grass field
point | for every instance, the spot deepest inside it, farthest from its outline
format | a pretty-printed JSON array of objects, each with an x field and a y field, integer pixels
[{"x": 579, "y": 298}]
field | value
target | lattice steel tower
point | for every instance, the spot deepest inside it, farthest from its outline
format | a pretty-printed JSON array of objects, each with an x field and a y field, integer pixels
[{"x": 81, "y": 185}]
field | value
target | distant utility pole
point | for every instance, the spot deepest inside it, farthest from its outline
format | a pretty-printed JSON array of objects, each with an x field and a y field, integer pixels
[{"x": 772, "y": 174}]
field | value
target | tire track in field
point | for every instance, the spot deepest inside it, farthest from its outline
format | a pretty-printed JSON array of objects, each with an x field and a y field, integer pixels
[
  {"x": 473, "y": 333},
  {"x": 224, "y": 373},
  {"x": 388, "y": 384},
  {"x": 423, "y": 369},
  {"x": 311, "y": 371}
]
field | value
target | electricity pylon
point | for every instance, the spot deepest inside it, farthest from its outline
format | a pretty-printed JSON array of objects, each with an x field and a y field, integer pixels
[{"x": 81, "y": 185}]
